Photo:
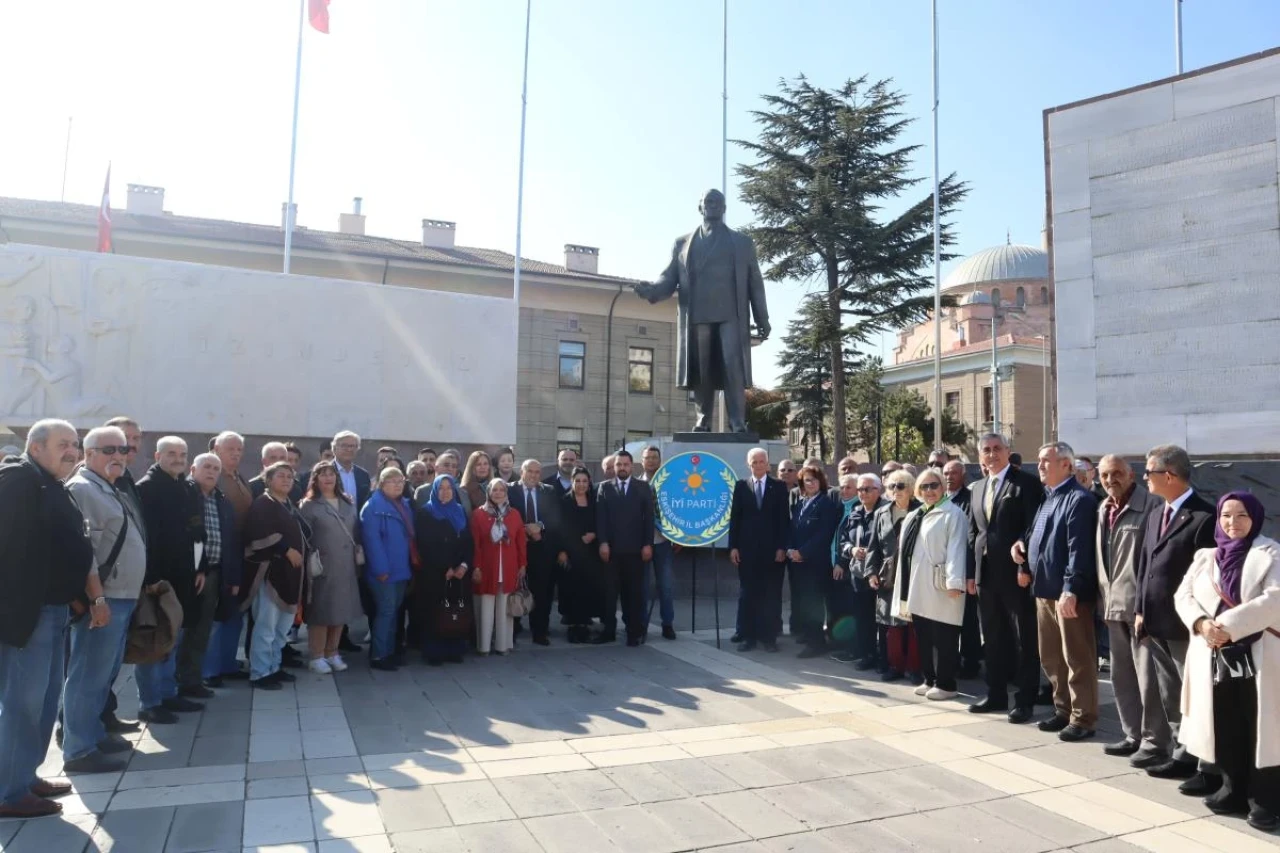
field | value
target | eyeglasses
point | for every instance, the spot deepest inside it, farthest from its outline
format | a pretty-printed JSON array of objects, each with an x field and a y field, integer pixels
[
  {"x": 112, "y": 450},
  {"x": 930, "y": 487},
  {"x": 895, "y": 487},
  {"x": 867, "y": 489},
  {"x": 1147, "y": 473}
]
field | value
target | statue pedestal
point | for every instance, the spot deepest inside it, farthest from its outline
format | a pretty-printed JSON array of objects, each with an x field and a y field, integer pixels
[
  {"x": 732, "y": 447},
  {"x": 717, "y": 438}
]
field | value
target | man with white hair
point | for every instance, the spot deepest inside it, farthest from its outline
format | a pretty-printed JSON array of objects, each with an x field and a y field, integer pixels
[
  {"x": 222, "y": 566},
  {"x": 759, "y": 523},
  {"x": 229, "y": 448},
  {"x": 44, "y": 564},
  {"x": 418, "y": 475},
  {"x": 272, "y": 452},
  {"x": 355, "y": 480},
  {"x": 97, "y": 638},
  {"x": 175, "y": 523},
  {"x": 233, "y": 496},
  {"x": 958, "y": 493}
]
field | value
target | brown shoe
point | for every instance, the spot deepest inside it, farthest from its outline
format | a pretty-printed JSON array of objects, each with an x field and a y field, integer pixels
[
  {"x": 30, "y": 806},
  {"x": 46, "y": 789}
]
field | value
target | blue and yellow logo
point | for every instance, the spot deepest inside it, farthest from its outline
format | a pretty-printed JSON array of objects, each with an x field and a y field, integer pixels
[{"x": 694, "y": 495}]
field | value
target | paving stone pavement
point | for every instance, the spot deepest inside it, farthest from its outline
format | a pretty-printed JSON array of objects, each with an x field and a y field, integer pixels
[{"x": 675, "y": 746}]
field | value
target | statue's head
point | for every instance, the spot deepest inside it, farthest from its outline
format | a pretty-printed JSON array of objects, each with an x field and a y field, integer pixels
[{"x": 712, "y": 206}]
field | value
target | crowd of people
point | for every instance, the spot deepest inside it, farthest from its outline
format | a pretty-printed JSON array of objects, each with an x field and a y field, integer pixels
[
  {"x": 913, "y": 573},
  {"x": 918, "y": 574}
]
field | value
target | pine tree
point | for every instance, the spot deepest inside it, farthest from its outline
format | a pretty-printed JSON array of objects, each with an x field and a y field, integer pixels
[
  {"x": 828, "y": 165},
  {"x": 806, "y": 361}
]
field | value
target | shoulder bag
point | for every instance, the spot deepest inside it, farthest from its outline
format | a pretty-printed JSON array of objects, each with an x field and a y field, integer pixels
[
  {"x": 520, "y": 602},
  {"x": 453, "y": 617}
]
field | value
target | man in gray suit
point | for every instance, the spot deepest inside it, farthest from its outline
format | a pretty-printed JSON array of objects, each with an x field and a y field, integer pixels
[{"x": 716, "y": 279}]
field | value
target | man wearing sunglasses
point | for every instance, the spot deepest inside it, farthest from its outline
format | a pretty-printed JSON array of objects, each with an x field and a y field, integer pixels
[
  {"x": 97, "y": 637},
  {"x": 1181, "y": 526}
]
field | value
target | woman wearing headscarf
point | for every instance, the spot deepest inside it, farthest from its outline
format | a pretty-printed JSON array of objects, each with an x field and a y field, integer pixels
[
  {"x": 813, "y": 526},
  {"x": 476, "y": 476},
  {"x": 929, "y": 582},
  {"x": 391, "y": 556},
  {"x": 275, "y": 558},
  {"x": 335, "y": 595},
  {"x": 1230, "y": 602},
  {"x": 497, "y": 533},
  {"x": 896, "y": 638},
  {"x": 581, "y": 595},
  {"x": 446, "y": 548}
]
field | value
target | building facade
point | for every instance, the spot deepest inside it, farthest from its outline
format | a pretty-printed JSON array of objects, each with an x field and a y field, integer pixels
[
  {"x": 595, "y": 363},
  {"x": 1010, "y": 283}
]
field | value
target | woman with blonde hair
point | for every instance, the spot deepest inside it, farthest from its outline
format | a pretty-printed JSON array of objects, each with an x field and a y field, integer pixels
[
  {"x": 929, "y": 582},
  {"x": 896, "y": 641},
  {"x": 1230, "y": 602},
  {"x": 475, "y": 478}
]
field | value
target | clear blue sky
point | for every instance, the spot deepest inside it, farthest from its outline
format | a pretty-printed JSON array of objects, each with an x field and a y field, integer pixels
[{"x": 414, "y": 105}]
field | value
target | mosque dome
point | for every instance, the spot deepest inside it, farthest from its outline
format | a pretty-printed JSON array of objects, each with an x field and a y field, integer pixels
[{"x": 1010, "y": 262}]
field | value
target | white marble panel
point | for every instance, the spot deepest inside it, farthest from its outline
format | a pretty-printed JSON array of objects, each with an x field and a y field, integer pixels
[
  {"x": 1127, "y": 436},
  {"x": 1228, "y": 301},
  {"x": 1075, "y": 307},
  {"x": 1069, "y": 173},
  {"x": 1152, "y": 391},
  {"x": 1237, "y": 127},
  {"x": 1169, "y": 183},
  {"x": 1077, "y": 382},
  {"x": 1209, "y": 217},
  {"x": 1192, "y": 346},
  {"x": 1111, "y": 116},
  {"x": 1211, "y": 434},
  {"x": 1239, "y": 84},
  {"x": 83, "y": 335},
  {"x": 1072, "y": 245},
  {"x": 1204, "y": 262}
]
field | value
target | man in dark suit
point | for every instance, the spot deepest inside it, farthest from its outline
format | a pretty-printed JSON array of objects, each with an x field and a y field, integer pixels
[
  {"x": 1004, "y": 505},
  {"x": 624, "y": 528},
  {"x": 760, "y": 517},
  {"x": 272, "y": 452},
  {"x": 970, "y": 633},
  {"x": 561, "y": 479},
  {"x": 1180, "y": 527},
  {"x": 1060, "y": 551},
  {"x": 539, "y": 507}
]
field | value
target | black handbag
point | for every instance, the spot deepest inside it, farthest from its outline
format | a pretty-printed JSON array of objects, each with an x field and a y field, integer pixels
[{"x": 453, "y": 617}]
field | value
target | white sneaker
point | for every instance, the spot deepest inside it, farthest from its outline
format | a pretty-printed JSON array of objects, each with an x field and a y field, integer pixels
[
  {"x": 337, "y": 664},
  {"x": 938, "y": 694},
  {"x": 320, "y": 666},
  {"x": 923, "y": 689}
]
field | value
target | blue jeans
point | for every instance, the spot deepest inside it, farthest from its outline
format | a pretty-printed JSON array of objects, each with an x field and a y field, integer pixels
[
  {"x": 158, "y": 681},
  {"x": 664, "y": 578},
  {"x": 96, "y": 655},
  {"x": 30, "y": 684},
  {"x": 220, "y": 655},
  {"x": 387, "y": 597},
  {"x": 270, "y": 631}
]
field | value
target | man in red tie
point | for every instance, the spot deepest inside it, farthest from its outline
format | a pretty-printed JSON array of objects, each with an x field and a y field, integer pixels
[{"x": 1183, "y": 525}]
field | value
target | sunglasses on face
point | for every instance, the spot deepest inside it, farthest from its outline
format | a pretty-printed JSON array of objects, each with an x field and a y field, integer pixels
[
  {"x": 113, "y": 450},
  {"x": 930, "y": 487},
  {"x": 895, "y": 487},
  {"x": 1147, "y": 473}
]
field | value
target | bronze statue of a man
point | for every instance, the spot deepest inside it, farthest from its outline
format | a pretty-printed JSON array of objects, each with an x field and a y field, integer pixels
[{"x": 716, "y": 278}]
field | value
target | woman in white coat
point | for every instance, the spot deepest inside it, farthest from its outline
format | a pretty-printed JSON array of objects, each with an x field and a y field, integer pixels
[
  {"x": 930, "y": 582},
  {"x": 1230, "y": 602}
]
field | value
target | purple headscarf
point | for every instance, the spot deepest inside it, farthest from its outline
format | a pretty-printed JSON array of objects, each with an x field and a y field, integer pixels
[{"x": 1231, "y": 553}]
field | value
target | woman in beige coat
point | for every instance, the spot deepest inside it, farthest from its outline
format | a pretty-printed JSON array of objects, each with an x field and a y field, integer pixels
[{"x": 1230, "y": 602}]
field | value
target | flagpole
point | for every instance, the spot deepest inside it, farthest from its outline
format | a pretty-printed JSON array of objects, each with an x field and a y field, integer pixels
[
  {"x": 937, "y": 254},
  {"x": 721, "y": 416},
  {"x": 66, "y": 158},
  {"x": 1177, "y": 35},
  {"x": 293, "y": 144},
  {"x": 524, "y": 108}
]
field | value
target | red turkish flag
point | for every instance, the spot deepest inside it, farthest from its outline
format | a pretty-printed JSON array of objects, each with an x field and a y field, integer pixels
[
  {"x": 318, "y": 12},
  {"x": 104, "y": 216}
]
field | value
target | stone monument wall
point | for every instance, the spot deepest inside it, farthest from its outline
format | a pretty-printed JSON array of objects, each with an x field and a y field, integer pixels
[
  {"x": 1165, "y": 246},
  {"x": 191, "y": 349}
]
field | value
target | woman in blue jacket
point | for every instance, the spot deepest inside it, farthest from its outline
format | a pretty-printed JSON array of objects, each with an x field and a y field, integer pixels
[
  {"x": 813, "y": 525},
  {"x": 390, "y": 558}
]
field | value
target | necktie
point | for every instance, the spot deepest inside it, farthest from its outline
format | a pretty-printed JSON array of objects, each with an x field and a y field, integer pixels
[
  {"x": 529, "y": 511},
  {"x": 623, "y": 484},
  {"x": 1168, "y": 517},
  {"x": 989, "y": 497},
  {"x": 759, "y": 494}
]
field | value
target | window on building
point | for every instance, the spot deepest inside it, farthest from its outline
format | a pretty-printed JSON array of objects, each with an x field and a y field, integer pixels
[
  {"x": 1020, "y": 297},
  {"x": 988, "y": 408},
  {"x": 573, "y": 357},
  {"x": 995, "y": 296},
  {"x": 641, "y": 363},
  {"x": 1044, "y": 296},
  {"x": 953, "y": 402},
  {"x": 569, "y": 438}
]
